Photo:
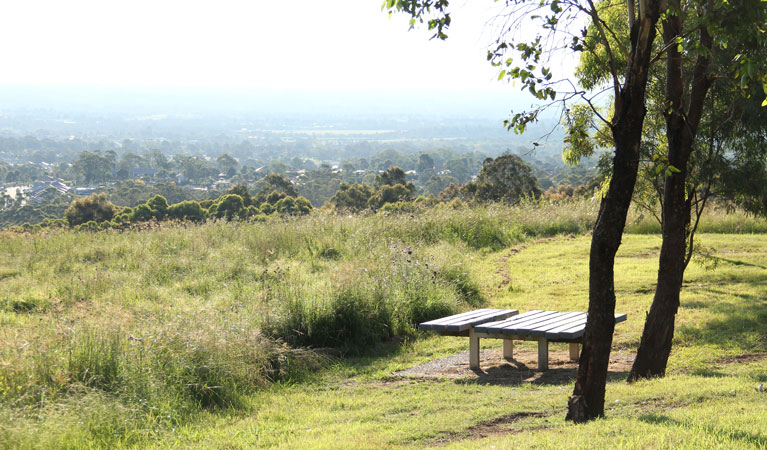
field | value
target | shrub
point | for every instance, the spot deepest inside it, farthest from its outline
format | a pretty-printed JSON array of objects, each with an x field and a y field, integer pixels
[
  {"x": 243, "y": 192},
  {"x": 142, "y": 213},
  {"x": 293, "y": 206},
  {"x": 159, "y": 206},
  {"x": 92, "y": 208},
  {"x": 390, "y": 194},
  {"x": 275, "y": 197},
  {"x": 351, "y": 197},
  {"x": 229, "y": 206},
  {"x": 187, "y": 210},
  {"x": 252, "y": 211},
  {"x": 267, "y": 208},
  {"x": 90, "y": 226}
]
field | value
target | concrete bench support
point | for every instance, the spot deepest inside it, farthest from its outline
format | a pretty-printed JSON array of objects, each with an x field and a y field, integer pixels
[
  {"x": 574, "y": 351},
  {"x": 473, "y": 350},
  {"x": 543, "y": 354},
  {"x": 508, "y": 349}
]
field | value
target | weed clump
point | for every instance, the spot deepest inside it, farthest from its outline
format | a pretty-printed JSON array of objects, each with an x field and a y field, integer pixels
[{"x": 389, "y": 295}]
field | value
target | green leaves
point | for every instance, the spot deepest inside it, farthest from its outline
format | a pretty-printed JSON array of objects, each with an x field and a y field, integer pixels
[
  {"x": 671, "y": 170},
  {"x": 534, "y": 78},
  {"x": 433, "y": 12},
  {"x": 518, "y": 123},
  {"x": 579, "y": 142}
]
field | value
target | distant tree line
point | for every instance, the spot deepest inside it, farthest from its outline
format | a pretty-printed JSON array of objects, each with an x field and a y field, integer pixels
[
  {"x": 431, "y": 171},
  {"x": 96, "y": 212},
  {"x": 504, "y": 179},
  {"x": 507, "y": 179}
]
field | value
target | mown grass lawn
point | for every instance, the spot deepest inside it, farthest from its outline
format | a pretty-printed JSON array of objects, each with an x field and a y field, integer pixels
[{"x": 708, "y": 400}]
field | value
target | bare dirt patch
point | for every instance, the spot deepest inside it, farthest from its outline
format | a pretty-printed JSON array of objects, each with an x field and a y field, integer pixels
[
  {"x": 498, "y": 425},
  {"x": 502, "y": 265},
  {"x": 741, "y": 359},
  {"x": 522, "y": 369}
]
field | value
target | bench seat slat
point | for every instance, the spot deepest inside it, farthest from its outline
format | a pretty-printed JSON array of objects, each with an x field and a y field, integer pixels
[
  {"x": 480, "y": 319},
  {"x": 528, "y": 314},
  {"x": 521, "y": 324},
  {"x": 562, "y": 321},
  {"x": 445, "y": 321},
  {"x": 464, "y": 321},
  {"x": 455, "y": 317},
  {"x": 541, "y": 328},
  {"x": 573, "y": 333},
  {"x": 570, "y": 331},
  {"x": 497, "y": 323},
  {"x": 522, "y": 318},
  {"x": 469, "y": 317},
  {"x": 532, "y": 323},
  {"x": 576, "y": 330}
]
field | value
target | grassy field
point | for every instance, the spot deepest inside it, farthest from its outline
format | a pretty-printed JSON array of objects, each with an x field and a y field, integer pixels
[{"x": 249, "y": 335}]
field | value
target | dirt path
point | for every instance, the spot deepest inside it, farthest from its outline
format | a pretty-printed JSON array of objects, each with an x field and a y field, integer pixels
[{"x": 502, "y": 266}]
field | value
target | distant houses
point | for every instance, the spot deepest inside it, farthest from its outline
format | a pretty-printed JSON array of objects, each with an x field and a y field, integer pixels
[
  {"x": 87, "y": 190},
  {"x": 35, "y": 192},
  {"x": 141, "y": 172},
  {"x": 134, "y": 173}
]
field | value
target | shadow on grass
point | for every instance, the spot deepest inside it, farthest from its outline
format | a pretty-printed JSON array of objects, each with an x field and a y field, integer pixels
[
  {"x": 739, "y": 325},
  {"x": 515, "y": 374},
  {"x": 735, "y": 262},
  {"x": 371, "y": 356},
  {"x": 757, "y": 440},
  {"x": 708, "y": 373},
  {"x": 735, "y": 324}
]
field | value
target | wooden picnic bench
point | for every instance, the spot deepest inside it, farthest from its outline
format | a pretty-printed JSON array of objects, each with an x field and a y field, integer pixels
[{"x": 536, "y": 325}]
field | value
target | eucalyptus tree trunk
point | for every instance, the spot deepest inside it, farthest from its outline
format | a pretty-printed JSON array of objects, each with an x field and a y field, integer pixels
[
  {"x": 587, "y": 401},
  {"x": 681, "y": 127}
]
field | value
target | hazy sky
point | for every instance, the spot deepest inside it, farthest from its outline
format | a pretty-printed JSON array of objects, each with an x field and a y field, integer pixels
[
  {"x": 311, "y": 44},
  {"x": 285, "y": 44}
]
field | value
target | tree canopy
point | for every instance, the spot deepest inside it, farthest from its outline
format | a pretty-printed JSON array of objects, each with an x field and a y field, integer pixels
[{"x": 503, "y": 179}]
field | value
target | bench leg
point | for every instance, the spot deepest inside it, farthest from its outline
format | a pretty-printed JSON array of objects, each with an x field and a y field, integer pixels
[
  {"x": 473, "y": 350},
  {"x": 543, "y": 354},
  {"x": 573, "y": 351},
  {"x": 508, "y": 349}
]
